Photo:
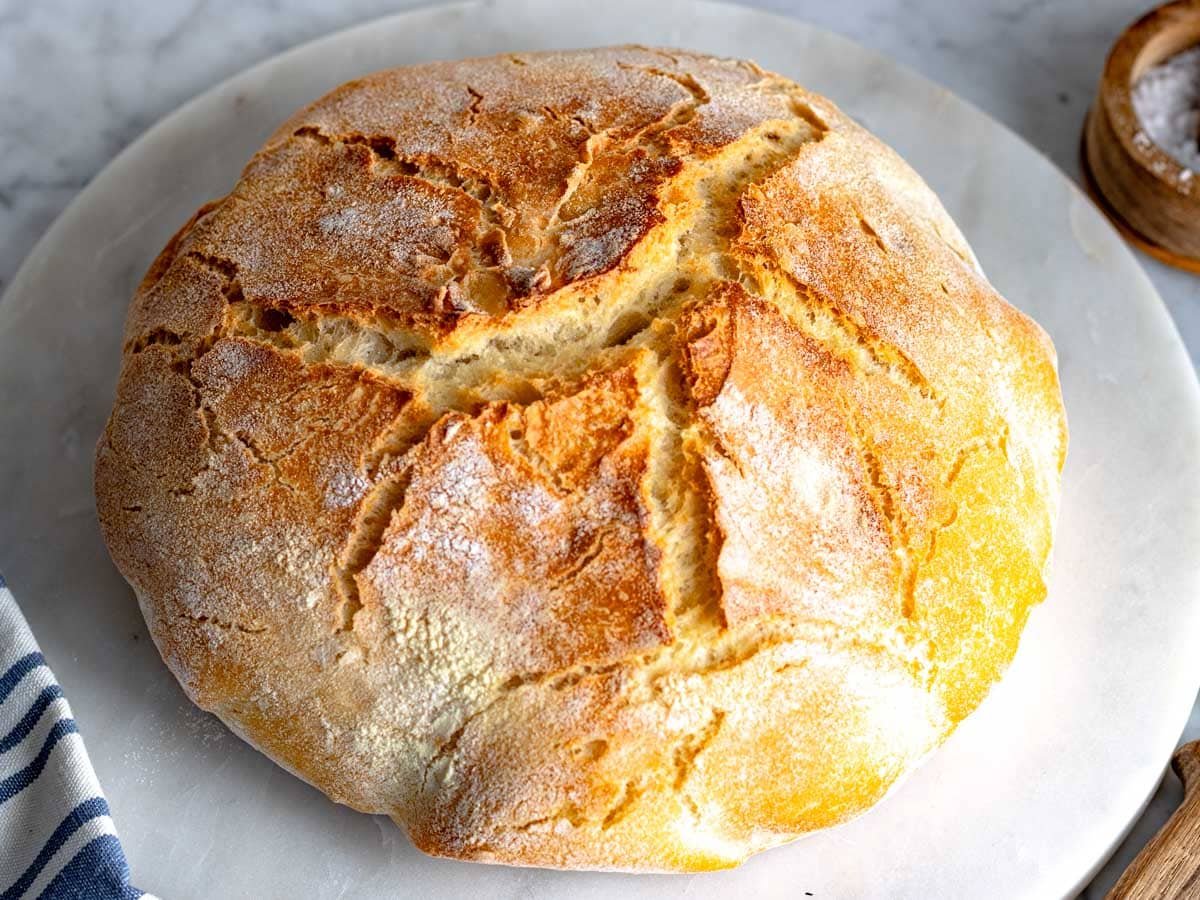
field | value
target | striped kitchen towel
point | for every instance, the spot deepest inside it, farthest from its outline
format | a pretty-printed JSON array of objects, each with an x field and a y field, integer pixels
[{"x": 56, "y": 838}]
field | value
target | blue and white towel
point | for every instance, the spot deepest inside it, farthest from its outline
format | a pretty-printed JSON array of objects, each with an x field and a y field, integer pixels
[{"x": 57, "y": 840}]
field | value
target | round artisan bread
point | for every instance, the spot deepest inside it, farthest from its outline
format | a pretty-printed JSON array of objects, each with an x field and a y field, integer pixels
[{"x": 603, "y": 459}]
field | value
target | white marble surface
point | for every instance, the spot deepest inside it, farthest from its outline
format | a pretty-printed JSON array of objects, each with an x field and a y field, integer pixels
[{"x": 79, "y": 80}]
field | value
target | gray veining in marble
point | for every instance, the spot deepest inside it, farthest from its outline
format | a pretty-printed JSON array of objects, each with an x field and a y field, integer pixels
[{"x": 80, "y": 80}]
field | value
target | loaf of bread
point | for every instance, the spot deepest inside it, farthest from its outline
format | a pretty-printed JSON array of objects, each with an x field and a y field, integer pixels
[{"x": 605, "y": 459}]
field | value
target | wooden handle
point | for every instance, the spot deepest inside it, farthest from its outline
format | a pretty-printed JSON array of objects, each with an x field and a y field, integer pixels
[{"x": 1169, "y": 866}]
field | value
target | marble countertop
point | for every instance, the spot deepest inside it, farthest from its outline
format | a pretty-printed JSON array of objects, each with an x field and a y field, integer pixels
[{"x": 81, "y": 79}]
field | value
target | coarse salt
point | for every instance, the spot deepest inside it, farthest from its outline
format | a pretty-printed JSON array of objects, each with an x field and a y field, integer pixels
[{"x": 1167, "y": 102}]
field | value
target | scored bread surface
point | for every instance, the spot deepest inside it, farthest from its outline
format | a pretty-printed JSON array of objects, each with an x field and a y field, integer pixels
[{"x": 608, "y": 459}]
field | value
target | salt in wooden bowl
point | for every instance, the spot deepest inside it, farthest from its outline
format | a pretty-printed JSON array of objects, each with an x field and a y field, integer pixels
[{"x": 1148, "y": 194}]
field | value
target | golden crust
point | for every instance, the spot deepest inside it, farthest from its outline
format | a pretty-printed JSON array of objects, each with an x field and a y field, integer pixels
[{"x": 606, "y": 459}]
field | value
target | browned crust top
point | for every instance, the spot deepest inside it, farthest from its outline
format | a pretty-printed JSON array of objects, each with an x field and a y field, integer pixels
[{"x": 611, "y": 458}]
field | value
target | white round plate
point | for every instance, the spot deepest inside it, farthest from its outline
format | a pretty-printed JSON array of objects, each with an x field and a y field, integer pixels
[{"x": 1027, "y": 797}]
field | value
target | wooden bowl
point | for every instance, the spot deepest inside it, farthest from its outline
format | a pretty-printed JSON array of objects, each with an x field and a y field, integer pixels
[{"x": 1149, "y": 195}]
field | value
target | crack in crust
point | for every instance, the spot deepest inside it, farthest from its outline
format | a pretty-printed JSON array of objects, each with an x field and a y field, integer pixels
[
  {"x": 226, "y": 268},
  {"x": 223, "y": 624},
  {"x": 700, "y": 656},
  {"x": 822, "y": 317},
  {"x": 446, "y": 749},
  {"x": 685, "y": 758},
  {"x": 999, "y": 444},
  {"x": 883, "y": 497},
  {"x": 375, "y": 513},
  {"x": 672, "y": 776},
  {"x": 433, "y": 170},
  {"x": 682, "y": 113},
  {"x": 159, "y": 337}
]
